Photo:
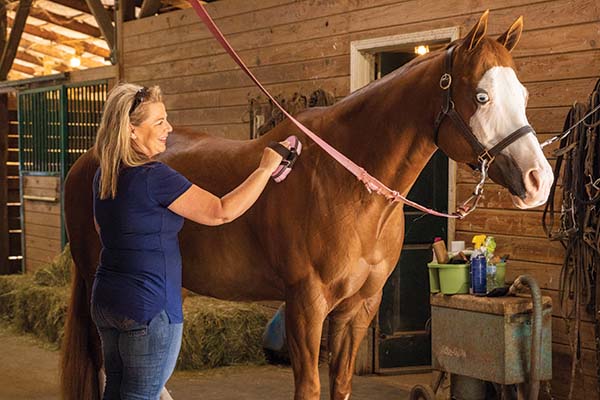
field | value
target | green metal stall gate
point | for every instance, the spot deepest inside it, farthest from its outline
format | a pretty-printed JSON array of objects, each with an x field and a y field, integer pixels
[{"x": 56, "y": 125}]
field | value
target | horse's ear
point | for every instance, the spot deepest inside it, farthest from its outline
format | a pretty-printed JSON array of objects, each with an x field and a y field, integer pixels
[
  {"x": 478, "y": 32},
  {"x": 510, "y": 38}
]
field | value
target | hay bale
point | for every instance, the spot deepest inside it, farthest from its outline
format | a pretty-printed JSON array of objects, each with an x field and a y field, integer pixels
[
  {"x": 220, "y": 333},
  {"x": 37, "y": 304},
  {"x": 58, "y": 272},
  {"x": 216, "y": 333},
  {"x": 33, "y": 309}
]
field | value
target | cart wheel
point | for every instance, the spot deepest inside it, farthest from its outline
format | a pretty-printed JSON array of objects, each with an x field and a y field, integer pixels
[{"x": 421, "y": 392}]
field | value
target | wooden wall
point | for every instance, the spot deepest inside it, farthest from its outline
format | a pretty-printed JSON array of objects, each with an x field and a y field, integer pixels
[
  {"x": 298, "y": 46},
  {"x": 42, "y": 227},
  {"x": 11, "y": 262}
]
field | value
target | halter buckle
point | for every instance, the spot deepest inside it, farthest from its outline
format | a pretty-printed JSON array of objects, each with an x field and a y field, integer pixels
[
  {"x": 485, "y": 156},
  {"x": 446, "y": 81}
]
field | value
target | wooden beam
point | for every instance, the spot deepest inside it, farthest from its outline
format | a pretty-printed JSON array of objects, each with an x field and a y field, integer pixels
[
  {"x": 149, "y": 8},
  {"x": 3, "y": 27},
  {"x": 61, "y": 39},
  {"x": 74, "y": 4},
  {"x": 105, "y": 24},
  {"x": 64, "y": 22},
  {"x": 23, "y": 69},
  {"x": 4, "y": 245},
  {"x": 57, "y": 64},
  {"x": 15, "y": 37},
  {"x": 4, "y": 127},
  {"x": 58, "y": 55}
]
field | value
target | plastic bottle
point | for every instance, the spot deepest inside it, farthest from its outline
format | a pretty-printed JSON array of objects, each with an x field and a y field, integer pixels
[
  {"x": 440, "y": 251},
  {"x": 478, "y": 273}
]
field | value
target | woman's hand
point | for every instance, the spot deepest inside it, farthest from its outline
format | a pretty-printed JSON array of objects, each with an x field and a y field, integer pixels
[{"x": 271, "y": 159}]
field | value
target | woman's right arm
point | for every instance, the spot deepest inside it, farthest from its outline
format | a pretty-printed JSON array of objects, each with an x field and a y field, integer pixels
[{"x": 205, "y": 208}]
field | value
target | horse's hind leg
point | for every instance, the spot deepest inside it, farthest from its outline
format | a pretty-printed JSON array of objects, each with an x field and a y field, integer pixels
[
  {"x": 348, "y": 324},
  {"x": 305, "y": 312}
]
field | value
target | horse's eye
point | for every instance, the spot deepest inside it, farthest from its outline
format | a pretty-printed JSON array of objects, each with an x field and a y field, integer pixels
[{"x": 482, "y": 97}]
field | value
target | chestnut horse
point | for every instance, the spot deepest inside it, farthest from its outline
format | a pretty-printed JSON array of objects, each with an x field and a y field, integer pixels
[{"x": 319, "y": 241}]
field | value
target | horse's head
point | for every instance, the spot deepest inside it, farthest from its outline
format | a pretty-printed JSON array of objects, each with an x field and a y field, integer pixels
[{"x": 484, "y": 112}]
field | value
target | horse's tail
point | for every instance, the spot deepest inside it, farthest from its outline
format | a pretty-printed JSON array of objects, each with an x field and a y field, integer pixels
[{"x": 79, "y": 375}]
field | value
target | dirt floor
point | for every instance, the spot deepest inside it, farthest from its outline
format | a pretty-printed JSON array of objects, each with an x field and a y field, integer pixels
[{"x": 28, "y": 371}]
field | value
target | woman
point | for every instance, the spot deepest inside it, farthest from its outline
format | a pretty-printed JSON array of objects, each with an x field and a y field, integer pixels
[{"x": 139, "y": 206}]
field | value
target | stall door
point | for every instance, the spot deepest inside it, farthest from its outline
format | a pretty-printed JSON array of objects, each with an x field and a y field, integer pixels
[{"x": 401, "y": 339}]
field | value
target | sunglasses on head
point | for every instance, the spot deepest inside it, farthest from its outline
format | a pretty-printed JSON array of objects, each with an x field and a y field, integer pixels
[{"x": 138, "y": 99}]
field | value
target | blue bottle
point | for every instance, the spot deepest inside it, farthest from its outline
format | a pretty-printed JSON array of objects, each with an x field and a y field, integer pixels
[{"x": 478, "y": 274}]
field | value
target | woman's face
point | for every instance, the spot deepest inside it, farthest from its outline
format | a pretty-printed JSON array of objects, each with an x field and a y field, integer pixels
[{"x": 151, "y": 135}]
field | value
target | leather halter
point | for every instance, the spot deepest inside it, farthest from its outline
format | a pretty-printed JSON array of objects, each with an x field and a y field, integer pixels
[{"x": 448, "y": 109}]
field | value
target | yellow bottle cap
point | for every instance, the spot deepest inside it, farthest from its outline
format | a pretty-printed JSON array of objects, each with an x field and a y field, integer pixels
[{"x": 478, "y": 241}]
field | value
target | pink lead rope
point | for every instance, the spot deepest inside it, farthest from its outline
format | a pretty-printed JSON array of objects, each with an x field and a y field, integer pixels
[{"x": 371, "y": 183}]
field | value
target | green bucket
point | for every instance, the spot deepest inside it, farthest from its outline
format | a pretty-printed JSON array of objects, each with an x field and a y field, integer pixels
[{"x": 448, "y": 278}]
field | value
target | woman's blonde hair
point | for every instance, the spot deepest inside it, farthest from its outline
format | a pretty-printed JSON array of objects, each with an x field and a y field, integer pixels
[{"x": 126, "y": 104}]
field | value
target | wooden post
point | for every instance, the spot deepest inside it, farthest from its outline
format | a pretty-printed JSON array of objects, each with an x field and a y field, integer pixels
[
  {"x": 4, "y": 267},
  {"x": 10, "y": 50},
  {"x": 104, "y": 23},
  {"x": 4, "y": 248}
]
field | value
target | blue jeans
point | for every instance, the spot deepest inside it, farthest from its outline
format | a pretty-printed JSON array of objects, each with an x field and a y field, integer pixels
[{"x": 138, "y": 358}]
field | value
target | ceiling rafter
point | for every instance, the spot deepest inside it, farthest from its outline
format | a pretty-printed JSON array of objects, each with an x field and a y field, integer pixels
[
  {"x": 68, "y": 23},
  {"x": 61, "y": 39}
]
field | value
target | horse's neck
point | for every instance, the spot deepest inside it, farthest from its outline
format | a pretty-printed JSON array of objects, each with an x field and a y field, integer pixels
[{"x": 388, "y": 128}]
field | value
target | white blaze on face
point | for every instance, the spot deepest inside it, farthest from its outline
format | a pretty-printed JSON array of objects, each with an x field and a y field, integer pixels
[{"x": 503, "y": 114}]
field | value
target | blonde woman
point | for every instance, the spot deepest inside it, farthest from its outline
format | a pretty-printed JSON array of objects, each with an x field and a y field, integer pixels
[{"x": 139, "y": 207}]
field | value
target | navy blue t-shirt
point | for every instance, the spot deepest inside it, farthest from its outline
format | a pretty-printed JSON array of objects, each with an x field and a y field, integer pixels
[{"x": 140, "y": 264}]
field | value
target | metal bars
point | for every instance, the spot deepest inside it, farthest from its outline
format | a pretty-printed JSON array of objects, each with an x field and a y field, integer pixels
[{"x": 57, "y": 125}]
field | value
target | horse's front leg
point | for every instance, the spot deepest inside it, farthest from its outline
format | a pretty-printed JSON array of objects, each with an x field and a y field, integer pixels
[
  {"x": 348, "y": 324},
  {"x": 306, "y": 309}
]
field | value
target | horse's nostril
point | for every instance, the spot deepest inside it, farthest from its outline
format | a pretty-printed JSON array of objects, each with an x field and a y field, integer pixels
[{"x": 533, "y": 180}]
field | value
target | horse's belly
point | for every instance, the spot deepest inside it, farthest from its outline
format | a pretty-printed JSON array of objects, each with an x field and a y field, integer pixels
[{"x": 226, "y": 263}]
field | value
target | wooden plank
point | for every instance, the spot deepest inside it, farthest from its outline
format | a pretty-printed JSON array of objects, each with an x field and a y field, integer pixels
[
  {"x": 560, "y": 333},
  {"x": 523, "y": 248},
  {"x": 546, "y": 275},
  {"x": 506, "y": 222},
  {"x": 497, "y": 197},
  {"x": 549, "y": 120},
  {"x": 217, "y": 10},
  {"x": 32, "y": 217},
  {"x": 94, "y": 74},
  {"x": 310, "y": 70},
  {"x": 582, "y": 64},
  {"x": 303, "y": 20},
  {"x": 43, "y": 231},
  {"x": 241, "y": 96},
  {"x": 198, "y": 43},
  {"x": 557, "y": 310},
  {"x": 32, "y": 265},
  {"x": 14, "y": 223},
  {"x": 42, "y": 256},
  {"x": 41, "y": 182},
  {"x": 42, "y": 207},
  {"x": 562, "y": 354},
  {"x": 51, "y": 245},
  {"x": 42, "y": 192},
  {"x": 560, "y": 93}
]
